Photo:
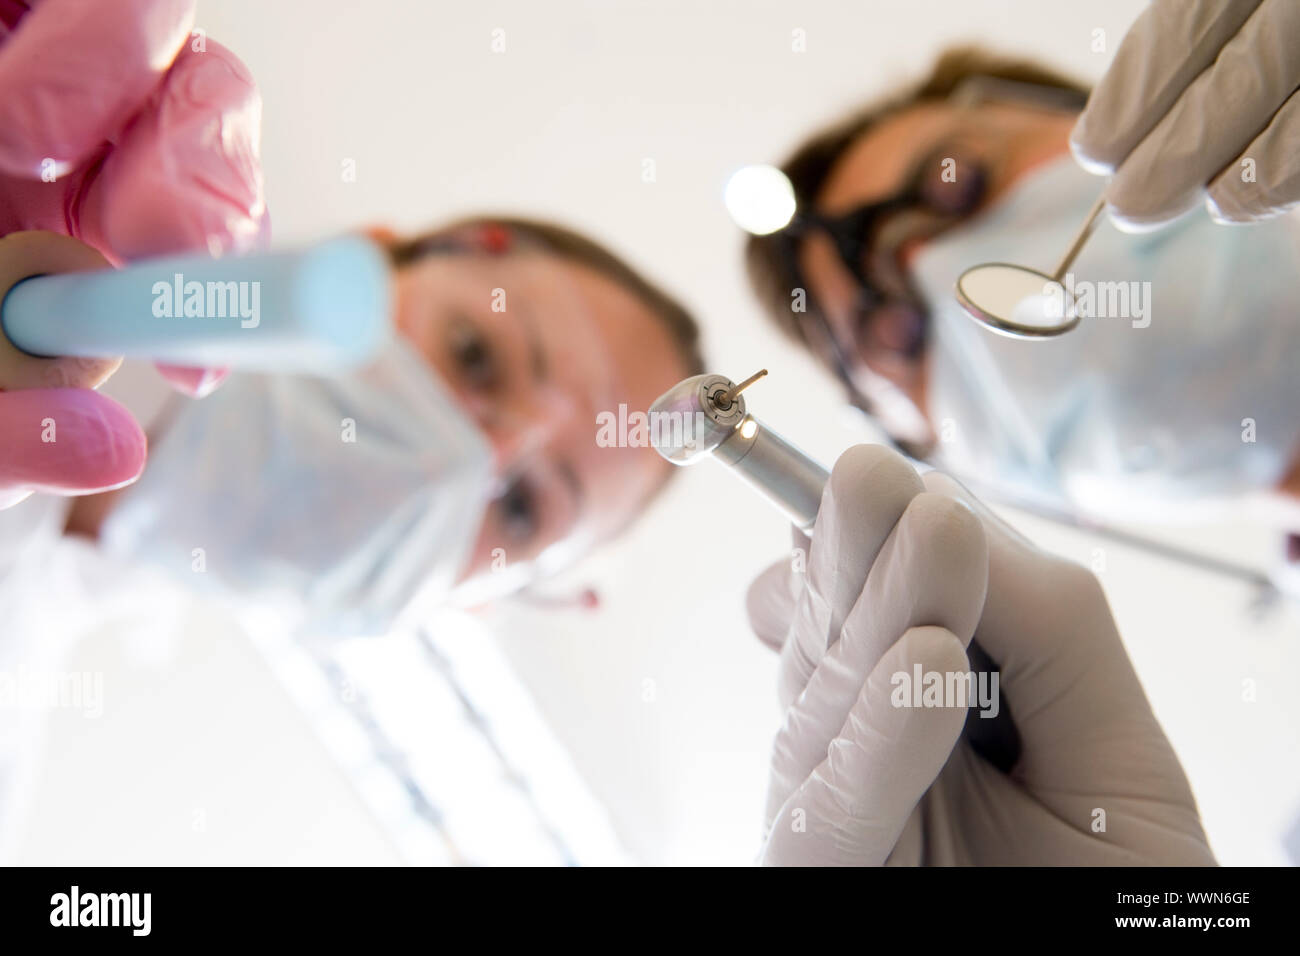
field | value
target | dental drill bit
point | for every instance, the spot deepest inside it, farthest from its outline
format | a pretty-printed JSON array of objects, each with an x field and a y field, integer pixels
[{"x": 725, "y": 397}]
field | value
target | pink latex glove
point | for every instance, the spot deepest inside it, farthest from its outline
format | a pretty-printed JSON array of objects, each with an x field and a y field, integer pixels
[{"x": 155, "y": 149}]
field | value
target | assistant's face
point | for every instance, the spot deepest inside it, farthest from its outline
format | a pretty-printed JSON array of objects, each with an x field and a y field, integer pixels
[{"x": 534, "y": 346}]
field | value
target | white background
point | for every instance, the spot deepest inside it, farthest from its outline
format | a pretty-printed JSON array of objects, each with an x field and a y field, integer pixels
[{"x": 663, "y": 699}]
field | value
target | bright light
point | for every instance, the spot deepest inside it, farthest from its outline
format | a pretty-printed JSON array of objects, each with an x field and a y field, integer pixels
[
  {"x": 760, "y": 199},
  {"x": 747, "y": 430}
]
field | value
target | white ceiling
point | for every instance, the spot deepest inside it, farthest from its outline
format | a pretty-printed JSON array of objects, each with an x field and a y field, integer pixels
[{"x": 663, "y": 698}]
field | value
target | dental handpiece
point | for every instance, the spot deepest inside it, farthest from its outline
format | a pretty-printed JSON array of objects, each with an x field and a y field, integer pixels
[{"x": 705, "y": 416}]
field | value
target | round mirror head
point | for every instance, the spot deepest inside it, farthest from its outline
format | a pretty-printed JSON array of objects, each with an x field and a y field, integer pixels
[{"x": 1016, "y": 301}]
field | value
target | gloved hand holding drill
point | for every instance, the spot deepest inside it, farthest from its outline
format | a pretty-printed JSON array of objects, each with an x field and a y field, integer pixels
[{"x": 904, "y": 570}]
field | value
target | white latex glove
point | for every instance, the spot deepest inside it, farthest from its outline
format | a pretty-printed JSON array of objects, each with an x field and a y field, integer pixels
[
  {"x": 1196, "y": 88},
  {"x": 903, "y": 570}
]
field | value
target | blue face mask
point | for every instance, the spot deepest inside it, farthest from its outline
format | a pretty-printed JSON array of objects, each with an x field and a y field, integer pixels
[
  {"x": 1189, "y": 394},
  {"x": 339, "y": 500}
]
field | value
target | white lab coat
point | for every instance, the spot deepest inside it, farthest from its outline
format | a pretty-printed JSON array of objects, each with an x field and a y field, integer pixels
[{"x": 54, "y": 591}]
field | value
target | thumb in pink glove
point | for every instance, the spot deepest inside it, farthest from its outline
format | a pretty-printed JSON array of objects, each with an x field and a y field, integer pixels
[{"x": 119, "y": 129}]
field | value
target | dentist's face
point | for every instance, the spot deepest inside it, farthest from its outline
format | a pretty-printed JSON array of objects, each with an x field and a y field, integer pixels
[
  {"x": 1003, "y": 142},
  {"x": 534, "y": 346}
]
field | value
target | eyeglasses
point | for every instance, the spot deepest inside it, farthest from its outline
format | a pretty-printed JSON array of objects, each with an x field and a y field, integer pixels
[
  {"x": 888, "y": 321},
  {"x": 888, "y": 318}
]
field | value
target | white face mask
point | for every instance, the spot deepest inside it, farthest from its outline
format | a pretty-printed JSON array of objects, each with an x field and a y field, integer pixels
[
  {"x": 1191, "y": 395},
  {"x": 345, "y": 497}
]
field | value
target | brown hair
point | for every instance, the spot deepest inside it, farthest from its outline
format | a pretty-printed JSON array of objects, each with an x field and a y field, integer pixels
[
  {"x": 767, "y": 258},
  {"x": 575, "y": 247}
]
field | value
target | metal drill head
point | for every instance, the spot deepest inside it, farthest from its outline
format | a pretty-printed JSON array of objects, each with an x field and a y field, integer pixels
[{"x": 695, "y": 416}]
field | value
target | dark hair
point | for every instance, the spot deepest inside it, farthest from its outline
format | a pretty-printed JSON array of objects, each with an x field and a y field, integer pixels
[
  {"x": 567, "y": 244},
  {"x": 767, "y": 258}
]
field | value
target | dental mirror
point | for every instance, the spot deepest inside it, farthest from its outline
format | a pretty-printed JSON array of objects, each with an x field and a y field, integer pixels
[{"x": 1022, "y": 302}]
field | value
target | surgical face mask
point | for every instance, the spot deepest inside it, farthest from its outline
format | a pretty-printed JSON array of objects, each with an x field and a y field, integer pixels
[
  {"x": 1178, "y": 387},
  {"x": 340, "y": 498}
]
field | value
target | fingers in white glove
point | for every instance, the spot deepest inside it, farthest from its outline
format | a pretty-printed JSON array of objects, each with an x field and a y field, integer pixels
[
  {"x": 931, "y": 570},
  {"x": 869, "y": 488},
  {"x": 1090, "y": 739},
  {"x": 1225, "y": 107},
  {"x": 1191, "y": 84},
  {"x": 773, "y": 594},
  {"x": 1264, "y": 181},
  {"x": 1164, "y": 51},
  {"x": 1082, "y": 714},
  {"x": 770, "y": 603},
  {"x": 852, "y": 807},
  {"x": 1047, "y": 624}
]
